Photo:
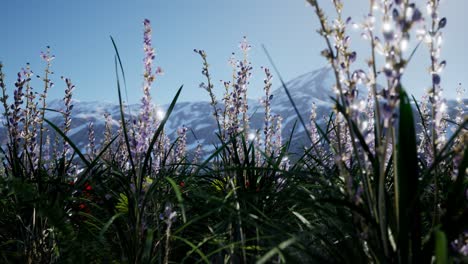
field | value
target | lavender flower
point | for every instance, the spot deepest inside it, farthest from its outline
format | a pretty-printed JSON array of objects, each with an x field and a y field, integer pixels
[
  {"x": 55, "y": 148},
  {"x": 108, "y": 121},
  {"x": 47, "y": 152},
  {"x": 46, "y": 56},
  {"x": 4, "y": 97},
  {"x": 267, "y": 129},
  {"x": 67, "y": 99},
  {"x": 277, "y": 138},
  {"x": 91, "y": 148},
  {"x": 460, "y": 105},
  {"x": 209, "y": 87},
  {"x": 16, "y": 114},
  {"x": 181, "y": 144},
  {"x": 239, "y": 96},
  {"x": 244, "y": 46},
  {"x": 438, "y": 107},
  {"x": 257, "y": 142},
  {"x": 31, "y": 120},
  {"x": 198, "y": 153},
  {"x": 460, "y": 245},
  {"x": 48, "y": 84},
  {"x": 315, "y": 137},
  {"x": 370, "y": 121},
  {"x": 243, "y": 76},
  {"x": 312, "y": 127},
  {"x": 145, "y": 129}
]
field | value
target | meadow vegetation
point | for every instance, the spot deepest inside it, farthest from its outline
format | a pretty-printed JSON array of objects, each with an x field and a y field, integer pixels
[{"x": 383, "y": 181}]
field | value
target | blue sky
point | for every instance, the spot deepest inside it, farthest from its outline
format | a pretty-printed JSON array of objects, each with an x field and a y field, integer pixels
[{"x": 78, "y": 32}]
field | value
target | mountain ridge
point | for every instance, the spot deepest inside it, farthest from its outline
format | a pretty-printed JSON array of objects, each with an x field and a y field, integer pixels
[{"x": 311, "y": 87}]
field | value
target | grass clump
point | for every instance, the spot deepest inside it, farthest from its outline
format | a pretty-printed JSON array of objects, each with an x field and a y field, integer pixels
[{"x": 381, "y": 181}]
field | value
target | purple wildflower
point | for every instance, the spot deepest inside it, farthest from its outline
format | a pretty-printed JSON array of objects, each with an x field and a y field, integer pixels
[
  {"x": 198, "y": 154},
  {"x": 145, "y": 129},
  {"x": 31, "y": 120},
  {"x": 277, "y": 138},
  {"x": 67, "y": 99},
  {"x": 16, "y": 114},
  {"x": 181, "y": 144},
  {"x": 267, "y": 129},
  {"x": 91, "y": 148},
  {"x": 108, "y": 121},
  {"x": 48, "y": 84},
  {"x": 244, "y": 45},
  {"x": 209, "y": 87}
]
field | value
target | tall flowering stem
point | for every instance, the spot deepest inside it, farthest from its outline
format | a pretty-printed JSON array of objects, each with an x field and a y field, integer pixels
[
  {"x": 460, "y": 105},
  {"x": 243, "y": 80},
  {"x": 32, "y": 120},
  {"x": 145, "y": 128},
  {"x": 239, "y": 100},
  {"x": 67, "y": 100},
  {"x": 4, "y": 98},
  {"x": 340, "y": 58},
  {"x": 47, "y": 57},
  {"x": 91, "y": 141},
  {"x": 209, "y": 87},
  {"x": 433, "y": 39},
  {"x": 267, "y": 129},
  {"x": 380, "y": 131},
  {"x": 277, "y": 137},
  {"x": 373, "y": 83},
  {"x": 197, "y": 155},
  {"x": 16, "y": 116},
  {"x": 181, "y": 148},
  {"x": 314, "y": 134},
  {"x": 107, "y": 128}
]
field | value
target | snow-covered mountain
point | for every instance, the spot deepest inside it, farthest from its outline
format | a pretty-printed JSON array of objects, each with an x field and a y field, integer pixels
[{"x": 313, "y": 87}]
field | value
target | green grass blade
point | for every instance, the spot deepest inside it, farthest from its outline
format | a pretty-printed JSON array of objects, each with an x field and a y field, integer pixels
[
  {"x": 194, "y": 248},
  {"x": 95, "y": 162},
  {"x": 444, "y": 153},
  {"x": 214, "y": 154},
  {"x": 69, "y": 141},
  {"x": 179, "y": 197},
  {"x": 109, "y": 223},
  {"x": 158, "y": 132},
  {"x": 441, "y": 247},
  {"x": 124, "y": 125},
  {"x": 277, "y": 250},
  {"x": 120, "y": 64},
  {"x": 148, "y": 248},
  {"x": 406, "y": 185},
  {"x": 122, "y": 116}
]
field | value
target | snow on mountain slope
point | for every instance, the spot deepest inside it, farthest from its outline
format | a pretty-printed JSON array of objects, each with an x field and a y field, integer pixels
[
  {"x": 316, "y": 85},
  {"x": 313, "y": 87}
]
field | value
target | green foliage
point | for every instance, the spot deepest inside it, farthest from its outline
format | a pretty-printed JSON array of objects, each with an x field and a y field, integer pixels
[{"x": 241, "y": 203}]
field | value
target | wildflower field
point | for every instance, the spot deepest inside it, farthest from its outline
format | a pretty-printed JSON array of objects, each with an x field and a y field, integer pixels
[{"x": 381, "y": 177}]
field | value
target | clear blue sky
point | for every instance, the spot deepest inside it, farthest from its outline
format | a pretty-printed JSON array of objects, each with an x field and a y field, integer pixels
[{"x": 78, "y": 32}]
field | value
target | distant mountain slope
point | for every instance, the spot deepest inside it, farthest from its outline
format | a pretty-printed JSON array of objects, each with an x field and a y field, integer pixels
[{"x": 315, "y": 86}]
